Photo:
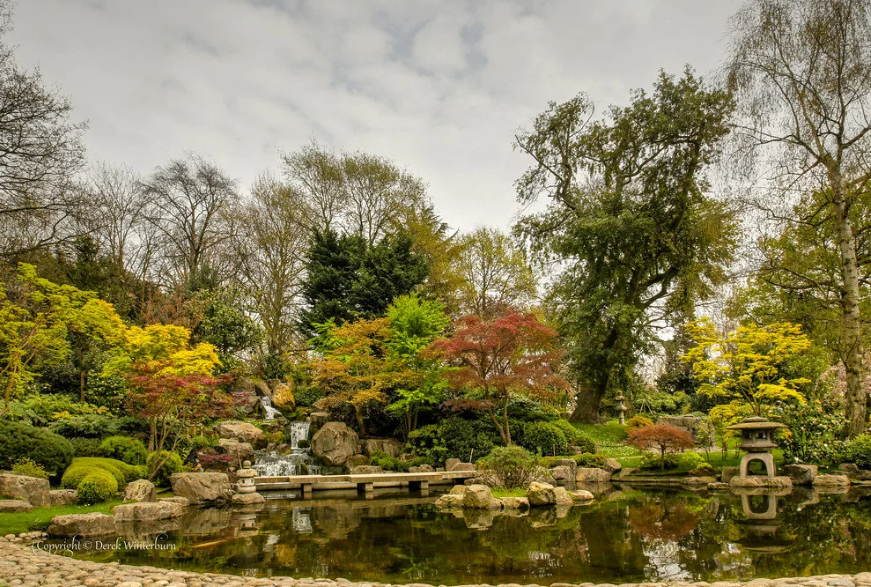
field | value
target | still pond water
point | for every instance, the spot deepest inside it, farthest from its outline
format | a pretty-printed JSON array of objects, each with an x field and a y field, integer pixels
[{"x": 629, "y": 536}]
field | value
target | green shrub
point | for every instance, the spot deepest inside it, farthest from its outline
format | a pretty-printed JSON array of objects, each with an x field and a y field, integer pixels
[
  {"x": 125, "y": 449},
  {"x": 304, "y": 443},
  {"x": 386, "y": 462},
  {"x": 21, "y": 441},
  {"x": 812, "y": 433},
  {"x": 652, "y": 461},
  {"x": 638, "y": 422},
  {"x": 81, "y": 466},
  {"x": 85, "y": 426},
  {"x": 306, "y": 397},
  {"x": 172, "y": 465},
  {"x": 575, "y": 437},
  {"x": 589, "y": 460},
  {"x": 203, "y": 441},
  {"x": 858, "y": 451},
  {"x": 96, "y": 486},
  {"x": 86, "y": 447},
  {"x": 691, "y": 460},
  {"x": 544, "y": 438},
  {"x": 509, "y": 467},
  {"x": 29, "y": 468}
]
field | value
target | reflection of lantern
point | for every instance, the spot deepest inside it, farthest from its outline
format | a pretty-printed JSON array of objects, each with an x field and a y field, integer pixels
[
  {"x": 757, "y": 439},
  {"x": 621, "y": 408},
  {"x": 246, "y": 476}
]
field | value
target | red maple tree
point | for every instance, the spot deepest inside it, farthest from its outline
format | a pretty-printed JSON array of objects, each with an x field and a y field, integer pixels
[
  {"x": 661, "y": 437},
  {"x": 172, "y": 404},
  {"x": 495, "y": 360}
]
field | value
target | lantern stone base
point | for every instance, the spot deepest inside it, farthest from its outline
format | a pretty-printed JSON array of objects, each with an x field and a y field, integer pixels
[{"x": 766, "y": 458}]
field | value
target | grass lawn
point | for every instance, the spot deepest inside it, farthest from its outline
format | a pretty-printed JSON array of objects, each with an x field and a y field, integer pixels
[{"x": 39, "y": 518}]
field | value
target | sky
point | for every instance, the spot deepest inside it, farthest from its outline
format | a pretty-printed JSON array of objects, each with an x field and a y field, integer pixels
[{"x": 441, "y": 87}]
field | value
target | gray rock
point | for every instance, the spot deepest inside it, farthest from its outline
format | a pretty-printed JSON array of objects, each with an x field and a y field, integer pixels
[
  {"x": 63, "y": 496},
  {"x": 760, "y": 481},
  {"x": 592, "y": 476},
  {"x": 831, "y": 481},
  {"x": 247, "y": 499},
  {"x": 612, "y": 466},
  {"x": 147, "y": 511},
  {"x": 241, "y": 431},
  {"x": 239, "y": 451},
  {"x": 318, "y": 419},
  {"x": 464, "y": 467},
  {"x": 389, "y": 446},
  {"x": 30, "y": 489},
  {"x": 479, "y": 496},
  {"x": 93, "y": 524},
  {"x": 562, "y": 497},
  {"x": 451, "y": 462},
  {"x": 459, "y": 490},
  {"x": 449, "y": 500},
  {"x": 581, "y": 496},
  {"x": 728, "y": 473},
  {"x": 335, "y": 443},
  {"x": 182, "y": 501},
  {"x": 540, "y": 494},
  {"x": 800, "y": 474},
  {"x": 515, "y": 503},
  {"x": 140, "y": 490},
  {"x": 14, "y": 506},
  {"x": 422, "y": 469},
  {"x": 201, "y": 488}
]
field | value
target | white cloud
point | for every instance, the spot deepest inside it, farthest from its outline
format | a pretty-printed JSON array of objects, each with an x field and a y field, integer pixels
[{"x": 440, "y": 87}]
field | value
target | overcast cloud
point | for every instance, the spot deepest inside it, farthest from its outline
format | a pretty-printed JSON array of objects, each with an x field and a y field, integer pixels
[{"x": 440, "y": 87}]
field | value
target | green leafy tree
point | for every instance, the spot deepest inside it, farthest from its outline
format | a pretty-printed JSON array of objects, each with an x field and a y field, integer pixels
[
  {"x": 630, "y": 221},
  {"x": 801, "y": 73}
]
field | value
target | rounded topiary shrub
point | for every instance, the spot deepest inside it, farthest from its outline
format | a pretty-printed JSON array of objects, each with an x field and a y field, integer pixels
[
  {"x": 544, "y": 438},
  {"x": 173, "y": 464},
  {"x": 22, "y": 441},
  {"x": 638, "y": 422},
  {"x": 125, "y": 449},
  {"x": 98, "y": 485},
  {"x": 80, "y": 467}
]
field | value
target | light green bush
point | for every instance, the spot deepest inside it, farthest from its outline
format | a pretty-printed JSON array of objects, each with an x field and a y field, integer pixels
[{"x": 98, "y": 485}]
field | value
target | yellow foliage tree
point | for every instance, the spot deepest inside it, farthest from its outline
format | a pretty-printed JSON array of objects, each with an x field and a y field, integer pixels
[
  {"x": 165, "y": 344},
  {"x": 745, "y": 365}
]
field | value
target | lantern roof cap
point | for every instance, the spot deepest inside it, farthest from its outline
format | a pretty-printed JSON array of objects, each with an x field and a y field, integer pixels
[{"x": 756, "y": 423}]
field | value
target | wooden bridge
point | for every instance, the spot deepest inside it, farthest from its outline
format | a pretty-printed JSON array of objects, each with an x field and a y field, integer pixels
[{"x": 364, "y": 483}]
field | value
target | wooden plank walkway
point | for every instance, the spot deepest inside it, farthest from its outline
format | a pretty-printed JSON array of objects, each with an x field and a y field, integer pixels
[{"x": 362, "y": 482}]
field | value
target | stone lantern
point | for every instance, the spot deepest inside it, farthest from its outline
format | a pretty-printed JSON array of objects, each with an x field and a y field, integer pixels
[
  {"x": 246, "y": 475},
  {"x": 757, "y": 440},
  {"x": 621, "y": 408}
]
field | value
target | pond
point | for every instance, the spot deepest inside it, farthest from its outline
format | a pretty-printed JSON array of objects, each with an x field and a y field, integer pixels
[{"x": 627, "y": 536}]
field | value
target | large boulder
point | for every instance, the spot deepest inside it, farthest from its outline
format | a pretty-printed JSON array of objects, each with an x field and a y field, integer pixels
[
  {"x": 200, "y": 488},
  {"x": 515, "y": 503},
  {"x": 831, "y": 481},
  {"x": 592, "y": 476},
  {"x": 562, "y": 473},
  {"x": 729, "y": 472},
  {"x": 760, "y": 481},
  {"x": 355, "y": 461},
  {"x": 540, "y": 494},
  {"x": 31, "y": 489},
  {"x": 334, "y": 443},
  {"x": 801, "y": 474},
  {"x": 461, "y": 467},
  {"x": 612, "y": 466},
  {"x": 63, "y": 496},
  {"x": 422, "y": 469},
  {"x": 14, "y": 506},
  {"x": 93, "y": 524},
  {"x": 581, "y": 496},
  {"x": 140, "y": 490},
  {"x": 241, "y": 431},
  {"x": 852, "y": 471},
  {"x": 147, "y": 511},
  {"x": 182, "y": 501},
  {"x": 238, "y": 451},
  {"x": 562, "y": 497},
  {"x": 389, "y": 446},
  {"x": 248, "y": 499},
  {"x": 479, "y": 496},
  {"x": 449, "y": 500},
  {"x": 451, "y": 462}
]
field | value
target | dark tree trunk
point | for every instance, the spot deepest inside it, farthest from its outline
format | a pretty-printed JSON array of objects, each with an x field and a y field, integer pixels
[{"x": 587, "y": 403}]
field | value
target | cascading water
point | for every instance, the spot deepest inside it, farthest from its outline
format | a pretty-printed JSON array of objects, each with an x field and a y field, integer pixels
[
  {"x": 268, "y": 409},
  {"x": 272, "y": 464}
]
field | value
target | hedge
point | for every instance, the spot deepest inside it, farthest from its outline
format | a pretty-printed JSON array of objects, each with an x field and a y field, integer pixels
[
  {"x": 22, "y": 441},
  {"x": 81, "y": 467}
]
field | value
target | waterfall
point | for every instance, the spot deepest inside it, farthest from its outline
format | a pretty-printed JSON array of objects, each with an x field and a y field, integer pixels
[
  {"x": 267, "y": 407},
  {"x": 272, "y": 464},
  {"x": 298, "y": 431}
]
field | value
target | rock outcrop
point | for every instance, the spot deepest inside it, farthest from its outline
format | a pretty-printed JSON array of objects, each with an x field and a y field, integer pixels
[
  {"x": 93, "y": 524},
  {"x": 801, "y": 474},
  {"x": 202, "y": 488},
  {"x": 141, "y": 490},
  {"x": 147, "y": 511},
  {"x": 389, "y": 446},
  {"x": 241, "y": 431},
  {"x": 540, "y": 494},
  {"x": 480, "y": 497},
  {"x": 335, "y": 442},
  {"x": 30, "y": 489}
]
